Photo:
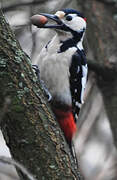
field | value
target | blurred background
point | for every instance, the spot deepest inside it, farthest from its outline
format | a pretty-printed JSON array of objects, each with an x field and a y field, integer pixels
[{"x": 94, "y": 142}]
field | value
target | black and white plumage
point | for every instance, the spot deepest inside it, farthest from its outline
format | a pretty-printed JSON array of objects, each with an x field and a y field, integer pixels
[
  {"x": 78, "y": 77},
  {"x": 63, "y": 66}
]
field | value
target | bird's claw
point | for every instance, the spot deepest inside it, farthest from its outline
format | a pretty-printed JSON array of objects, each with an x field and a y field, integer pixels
[{"x": 37, "y": 72}]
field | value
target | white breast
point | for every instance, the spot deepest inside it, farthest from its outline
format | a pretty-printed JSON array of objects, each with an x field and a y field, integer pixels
[{"x": 54, "y": 70}]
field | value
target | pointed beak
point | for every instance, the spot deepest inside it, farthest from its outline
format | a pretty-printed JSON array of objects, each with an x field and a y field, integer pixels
[{"x": 59, "y": 24}]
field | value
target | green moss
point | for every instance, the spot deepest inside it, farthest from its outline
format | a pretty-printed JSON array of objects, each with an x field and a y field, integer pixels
[
  {"x": 20, "y": 84},
  {"x": 3, "y": 62},
  {"x": 26, "y": 90},
  {"x": 44, "y": 119},
  {"x": 34, "y": 79},
  {"x": 22, "y": 75},
  {"x": 18, "y": 108},
  {"x": 36, "y": 90},
  {"x": 20, "y": 94},
  {"x": 3, "y": 73},
  {"x": 28, "y": 59},
  {"x": 16, "y": 101},
  {"x": 17, "y": 59},
  {"x": 10, "y": 85},
  {"x": 52, "y": 166}
]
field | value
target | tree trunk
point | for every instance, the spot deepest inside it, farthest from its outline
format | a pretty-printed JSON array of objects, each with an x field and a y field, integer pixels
[
  {"x": 102, "y": 38},
  {"x": 30, "y": 131}
]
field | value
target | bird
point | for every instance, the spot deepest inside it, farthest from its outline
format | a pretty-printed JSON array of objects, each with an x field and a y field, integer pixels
[{"x": 63, "y": 67}]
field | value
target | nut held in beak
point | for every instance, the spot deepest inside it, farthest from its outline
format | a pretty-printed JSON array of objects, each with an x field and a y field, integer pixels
[{"x": 39, "y": 20}]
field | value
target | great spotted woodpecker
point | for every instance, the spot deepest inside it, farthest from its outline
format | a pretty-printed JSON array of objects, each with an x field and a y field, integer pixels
[{"x": 63, "y": 67}]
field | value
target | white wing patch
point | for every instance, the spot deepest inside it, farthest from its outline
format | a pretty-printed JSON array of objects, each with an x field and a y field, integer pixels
[{"x": 84, "y": 80}]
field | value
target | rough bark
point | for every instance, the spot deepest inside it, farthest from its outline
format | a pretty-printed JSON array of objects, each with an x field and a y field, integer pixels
[
  {"x": 30, "y": 131},
  {"x": 102, "y": 38}
]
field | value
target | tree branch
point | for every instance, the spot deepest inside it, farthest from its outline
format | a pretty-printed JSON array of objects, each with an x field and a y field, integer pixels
[
  {"x": 10, "y": 161},
  {"x": 108, "y": 2},
  {"x": 29, "y": 128},
  {"x": 107, "y": 73},
  {"x": 19, "y": 4},
  {"x": 102, "y": 39}
]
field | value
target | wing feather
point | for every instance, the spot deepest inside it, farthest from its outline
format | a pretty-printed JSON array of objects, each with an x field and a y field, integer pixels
[{"x": 78, "y": 77}]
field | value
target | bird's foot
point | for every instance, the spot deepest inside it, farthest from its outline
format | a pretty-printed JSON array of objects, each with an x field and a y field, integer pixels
[{"x": 46, "y": 91}]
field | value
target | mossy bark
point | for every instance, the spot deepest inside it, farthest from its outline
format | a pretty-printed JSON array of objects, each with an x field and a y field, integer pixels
[
  {"x": 30, "y": 131},
  {"x": 102, "y": 39}
]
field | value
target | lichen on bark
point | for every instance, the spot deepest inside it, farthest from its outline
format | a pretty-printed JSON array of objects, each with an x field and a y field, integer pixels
[{"x": 29, "y": 127}]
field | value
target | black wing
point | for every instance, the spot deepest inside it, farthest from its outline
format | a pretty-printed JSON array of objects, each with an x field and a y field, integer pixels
[{"x": 78, "y": 76}]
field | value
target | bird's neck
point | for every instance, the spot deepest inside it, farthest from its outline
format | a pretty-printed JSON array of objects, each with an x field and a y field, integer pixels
[
  {"x": 67, "y": 41},
  {"x": 63, "y": 36},
  {"x": 79, "y": 44}
]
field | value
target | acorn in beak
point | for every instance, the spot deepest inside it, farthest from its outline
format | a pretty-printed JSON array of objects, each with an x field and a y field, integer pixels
[
  {"x": 42, "y": 20},
  {"x": 58, "y": 23}
]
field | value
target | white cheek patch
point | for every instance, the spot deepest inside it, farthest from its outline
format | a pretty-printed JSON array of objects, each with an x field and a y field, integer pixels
[{"x": 77, "y": 23}]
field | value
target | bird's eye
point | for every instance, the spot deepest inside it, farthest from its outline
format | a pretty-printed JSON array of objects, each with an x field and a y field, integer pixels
[{"x": 68, "y": 18}]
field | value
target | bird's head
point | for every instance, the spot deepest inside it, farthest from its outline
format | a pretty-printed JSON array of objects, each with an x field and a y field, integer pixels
[{"x": 67, "y": 20}]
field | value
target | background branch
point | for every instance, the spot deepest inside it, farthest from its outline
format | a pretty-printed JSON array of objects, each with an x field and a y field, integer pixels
[
  {"x": 19, "y": 4},
  {"x": 107, "y": 73},
  {"x": 10, "y": 161}
]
